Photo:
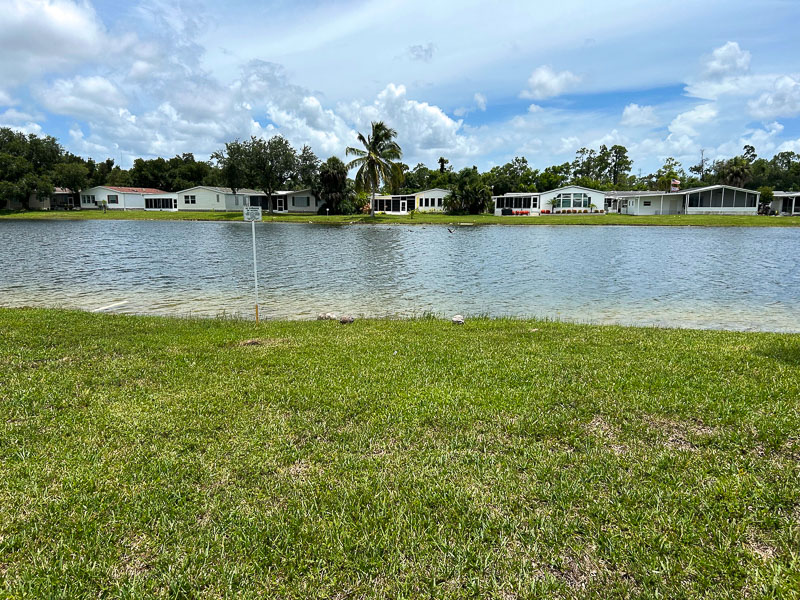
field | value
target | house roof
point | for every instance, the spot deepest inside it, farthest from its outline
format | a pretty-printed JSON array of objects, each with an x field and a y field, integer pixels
[
  {"x": 132, "y": 190},
  {"x": 565, "y": 187},
  {"x": 785, "y": 194},
  {"x": 634, "y": 193},
  {"x": 432, "y": 190},
  {"x": 60, "y": 190}
]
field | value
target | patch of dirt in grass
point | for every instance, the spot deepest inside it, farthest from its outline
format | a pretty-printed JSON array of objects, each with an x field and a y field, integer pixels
[
  {"x": 267, "y": 342},
  {"x": 135, "y": 560},
  {"x": 599, "y": 427},
  {"x": 757, "y": 546},
  {"x": 299, "y": 470},
  {"x": 678, "y": 432}
]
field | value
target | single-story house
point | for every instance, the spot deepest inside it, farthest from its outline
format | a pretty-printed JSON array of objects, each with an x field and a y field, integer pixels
[
  {"x": 786, "y": 203},
  {"x": 127, "y": 198},
  {"x": 212, "y": 198},
  {"x": 431, "y": 200},
  {"x": 567, "y": 199},
  {"x": 62, "y": 198},
  {"x": 708, "y": 200}
]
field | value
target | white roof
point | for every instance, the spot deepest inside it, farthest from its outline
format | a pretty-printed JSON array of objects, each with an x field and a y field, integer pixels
[
  {"x": 634, "y": 193},
  {"x": 785, "y": 194}
]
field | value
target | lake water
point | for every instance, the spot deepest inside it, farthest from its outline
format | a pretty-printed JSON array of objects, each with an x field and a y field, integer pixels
[{"x": 731, "y": 278}]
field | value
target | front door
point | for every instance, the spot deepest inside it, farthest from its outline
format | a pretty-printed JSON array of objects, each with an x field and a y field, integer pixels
[
  {"x": 403, "y": 206},
  {"x": 281, "y": 204}
]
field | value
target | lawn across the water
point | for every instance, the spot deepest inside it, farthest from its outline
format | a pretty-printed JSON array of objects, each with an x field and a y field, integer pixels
[
  {"x": 421, "y": 218},
  {"x": 154, "y": 457}
]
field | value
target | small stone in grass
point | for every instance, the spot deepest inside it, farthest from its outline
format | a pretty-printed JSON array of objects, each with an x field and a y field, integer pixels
[
  {"x": 346, "y": 319},
  {"x": 458, "y": 320},
  {"x": 250, "y": 343}
]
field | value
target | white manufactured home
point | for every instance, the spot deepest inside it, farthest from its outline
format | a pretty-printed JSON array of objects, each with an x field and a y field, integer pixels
[
  {"x": 127, "y": 198},
  {"x": 431, "y": 200},
  {"x": 786, "y": 203},
  {"x": 572, "y": 199},
  {"x": 708, "y": 200},
  {"x": 211, "y": 198}
]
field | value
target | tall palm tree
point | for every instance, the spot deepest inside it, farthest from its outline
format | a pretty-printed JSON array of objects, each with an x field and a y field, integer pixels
[{"x": 375, "y": 161}]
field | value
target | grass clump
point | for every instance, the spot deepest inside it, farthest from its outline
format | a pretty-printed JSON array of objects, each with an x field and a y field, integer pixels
[{"x": 145, "y": 456}]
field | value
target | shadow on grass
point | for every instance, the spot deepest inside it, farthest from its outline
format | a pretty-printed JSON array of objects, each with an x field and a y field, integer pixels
[{"x": 787, "y": 353}]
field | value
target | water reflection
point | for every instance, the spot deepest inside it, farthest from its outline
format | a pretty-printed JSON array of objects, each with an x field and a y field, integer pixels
[{"x": 734, "y": 278}]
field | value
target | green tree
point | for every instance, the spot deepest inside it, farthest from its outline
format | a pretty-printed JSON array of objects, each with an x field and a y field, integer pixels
[
  {"x": 619, "y": 165},
  {"x": 333, "y": 187},
  {"x": 375, "y": 161},
  {"x": 270, "y": 164},
  {"x": 766, "y": 198},
  {"x": 307, "y": 174},
  {"x": 73, "y": 176},
  {"x": 231, "y": 162},
  {"x": 469, "y": 194}
]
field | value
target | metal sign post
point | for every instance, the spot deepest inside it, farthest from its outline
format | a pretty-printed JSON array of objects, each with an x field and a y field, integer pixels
[{"x": 253, "y": 214}]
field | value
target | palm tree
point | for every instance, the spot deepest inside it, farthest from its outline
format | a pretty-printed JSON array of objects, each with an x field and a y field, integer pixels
[
  {"x": 737, "y": 172},
  {"x": 374, "y": 161}
]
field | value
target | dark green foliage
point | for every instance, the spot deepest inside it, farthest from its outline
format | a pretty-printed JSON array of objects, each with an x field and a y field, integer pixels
[
  {"x": 469, "y": 194},
  {"x": 334, "y": 188}
]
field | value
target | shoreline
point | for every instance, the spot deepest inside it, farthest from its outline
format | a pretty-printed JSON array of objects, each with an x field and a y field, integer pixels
[{"x": 606, "y": 219}]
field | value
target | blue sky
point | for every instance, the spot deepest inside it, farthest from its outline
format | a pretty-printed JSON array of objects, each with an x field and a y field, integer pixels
[{"x": 476, "y": 82}]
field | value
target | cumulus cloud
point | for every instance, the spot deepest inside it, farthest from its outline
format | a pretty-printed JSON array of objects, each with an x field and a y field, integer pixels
[
  {"x": 544, "y": 82},
  {"x": 20, "y": 121},
  {"x": 48, "y": 36},
  {"x": 783, "y": 100},
  {"x": 686, "y": 123},
  {"x": 421, "y": 52},
  {"x": 727, "y": 60},
  {"x": 634, "y": 115},
  {"x": 424, "y": 130},
  {"x": 81, "y": 96}
]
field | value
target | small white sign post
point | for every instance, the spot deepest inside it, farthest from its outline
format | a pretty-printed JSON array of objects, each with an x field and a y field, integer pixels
[{"x": 253, "y": 214}]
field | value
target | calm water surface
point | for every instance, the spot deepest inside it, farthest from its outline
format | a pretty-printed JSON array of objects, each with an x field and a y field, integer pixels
[{"x": 732, "y": 278}]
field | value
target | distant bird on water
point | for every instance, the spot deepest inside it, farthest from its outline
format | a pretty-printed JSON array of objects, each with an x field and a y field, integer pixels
[{"x": 451, "y": 230}]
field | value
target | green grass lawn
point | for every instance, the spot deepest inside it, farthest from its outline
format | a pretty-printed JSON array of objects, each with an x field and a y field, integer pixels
[
  {"x": 154, "y": 457},
  {"x": 421, "y": 218}
]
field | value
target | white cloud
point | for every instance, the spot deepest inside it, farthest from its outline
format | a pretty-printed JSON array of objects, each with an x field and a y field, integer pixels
[
  {"x": 420, "y": 52},
  {"x": 82, "y": 97},
  {"x": 20, "y": 121},
  {"x": 790, "y": 146},
  {"x": 783, "y": 99},
  {"x": 480, "y": 101},
  {"x": 685, "y": 124},
  {"x": 634, "y": 115},
  {"x": 544, "y": 82},
  {"x": 727, "y": 60},
  {"x": 46, "y": 36},
  {"x": 534, "y": 108},
  {"x": 569, "y": 144}
]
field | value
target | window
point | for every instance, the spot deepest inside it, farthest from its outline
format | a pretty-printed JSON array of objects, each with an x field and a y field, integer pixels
[
  {"x": 301, "y": 201},
  {"x": 189, "y": 200},
  {"x": 236, "y": 200},
  {"x": 160, "y": 203},
  {"x": 113, "y": 199},
  {"x": 217, "y": 197},
  {"x": 646, "y": 203},
  {"x": 441, "y": 202}
]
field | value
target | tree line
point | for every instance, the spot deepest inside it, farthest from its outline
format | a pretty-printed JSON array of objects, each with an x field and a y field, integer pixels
[{"x": 37, "y": 164}]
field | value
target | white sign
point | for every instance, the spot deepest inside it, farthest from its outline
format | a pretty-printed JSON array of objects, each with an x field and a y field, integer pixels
[{"x": 252, "y": 213}]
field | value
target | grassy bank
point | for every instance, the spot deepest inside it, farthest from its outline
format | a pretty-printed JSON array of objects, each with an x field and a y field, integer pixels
[
  {"x": 422, "y": 219},
  {"x": 148, "y": 456}
]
